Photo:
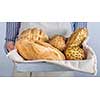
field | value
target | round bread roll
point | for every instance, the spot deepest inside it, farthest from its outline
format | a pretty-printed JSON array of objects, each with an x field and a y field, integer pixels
[{"x": 58, "y": 41}]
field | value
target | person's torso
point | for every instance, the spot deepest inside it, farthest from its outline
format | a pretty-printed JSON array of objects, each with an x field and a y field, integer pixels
[{"x": 50, "y": 28}]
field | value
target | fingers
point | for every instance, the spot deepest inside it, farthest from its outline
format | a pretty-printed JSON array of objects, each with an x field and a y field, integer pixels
[{"x": 10, "y": 46}]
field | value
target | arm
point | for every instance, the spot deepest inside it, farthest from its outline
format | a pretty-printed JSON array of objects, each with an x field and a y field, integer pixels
[
  {"x": 76, "y": 25},
  {"x": 12, "y": 30}
]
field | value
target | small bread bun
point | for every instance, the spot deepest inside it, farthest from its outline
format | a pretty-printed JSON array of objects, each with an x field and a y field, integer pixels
[{"x": 58, "y": 41}]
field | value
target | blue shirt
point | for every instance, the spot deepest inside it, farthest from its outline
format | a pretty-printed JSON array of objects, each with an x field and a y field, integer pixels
[{"x": 12, "y": 29}]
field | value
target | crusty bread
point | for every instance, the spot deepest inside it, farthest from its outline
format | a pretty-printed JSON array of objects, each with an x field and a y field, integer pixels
[
  {"x": 58, "y": 41},
  {"x": 77, "y": 37},
  {"x": 32, "y": 45},
  {"x": 38, "y": 50},
  {"x": 33, "y": 34},
  {"x": 73, "y": 50}
]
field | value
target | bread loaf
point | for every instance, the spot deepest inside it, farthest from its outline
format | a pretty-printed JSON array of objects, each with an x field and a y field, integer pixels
[{"x": 38, "y": 50}]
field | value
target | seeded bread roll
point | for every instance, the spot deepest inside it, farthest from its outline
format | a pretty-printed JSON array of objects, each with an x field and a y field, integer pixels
[
  {"x": 77, "y": 37},
  {"x": 75, "y": 53},
  {"x": 73, "y": 46}
]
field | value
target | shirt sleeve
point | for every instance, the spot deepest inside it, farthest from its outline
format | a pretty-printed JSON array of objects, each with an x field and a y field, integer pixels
[
  {"x": 76, "y": 25},
  {"x": 12, "y": 30}
]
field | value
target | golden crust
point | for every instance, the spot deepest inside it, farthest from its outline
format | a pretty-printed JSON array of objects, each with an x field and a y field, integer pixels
[
  {"x": 33, "y": 34},
  {"x": 77, "y": 37},
  {"x": 58, "y": 41},
  {"x": 38, "y": 50},
  {"x": 74, "y": 53},
  {"x": 32, "y": 45}
]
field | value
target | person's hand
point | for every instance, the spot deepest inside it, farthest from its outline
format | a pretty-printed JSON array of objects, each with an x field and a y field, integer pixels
[{"x": 10, "y": 46}]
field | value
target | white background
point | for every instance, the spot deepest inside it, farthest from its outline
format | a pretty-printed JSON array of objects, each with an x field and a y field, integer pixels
[{"x": 50, "y": 88}]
